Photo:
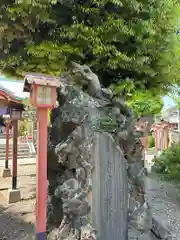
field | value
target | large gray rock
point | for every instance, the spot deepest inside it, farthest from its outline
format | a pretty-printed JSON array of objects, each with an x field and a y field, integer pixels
[{"x": 95, "y": 169}]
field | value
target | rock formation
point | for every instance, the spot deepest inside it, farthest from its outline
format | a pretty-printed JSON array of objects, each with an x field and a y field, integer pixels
[{"x": 80, "y": 114}]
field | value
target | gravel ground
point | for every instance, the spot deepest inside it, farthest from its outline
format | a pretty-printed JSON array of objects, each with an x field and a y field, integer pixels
[
  {"x": 17, "y": 220},
  {"x": 165, "y": 201}
]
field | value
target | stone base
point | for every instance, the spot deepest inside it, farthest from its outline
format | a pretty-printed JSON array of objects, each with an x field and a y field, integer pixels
[
  {"x": 6, "y": 172},
  {"x": 133, "y": 234},
  {"x": 160, "y": 229},
  {"x": 13, "y": 195}
]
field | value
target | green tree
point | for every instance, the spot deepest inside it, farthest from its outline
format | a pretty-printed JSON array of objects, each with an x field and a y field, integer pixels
[
  {"x": 145, "y": 104},
  {"x": 126, "y": 42},
  {"x": 23, "y": 128}
]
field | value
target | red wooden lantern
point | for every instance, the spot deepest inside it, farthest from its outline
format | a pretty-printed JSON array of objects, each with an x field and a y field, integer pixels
[{"x": 42, "y": 90}]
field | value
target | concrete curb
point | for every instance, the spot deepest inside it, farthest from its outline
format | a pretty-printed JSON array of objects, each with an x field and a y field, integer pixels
[
  {"x": 21, "y": 163},
  {"x": 26, "y": 164},
  {"x": 4, "y": 188},
  {"x": 160, "y": 230}
]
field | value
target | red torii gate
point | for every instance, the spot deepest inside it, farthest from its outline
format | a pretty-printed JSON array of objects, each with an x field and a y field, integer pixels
[{"x": 161, "y": 130}]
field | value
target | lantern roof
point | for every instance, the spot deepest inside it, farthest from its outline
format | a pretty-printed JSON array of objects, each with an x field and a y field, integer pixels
[{"x": 40, "y": 79}]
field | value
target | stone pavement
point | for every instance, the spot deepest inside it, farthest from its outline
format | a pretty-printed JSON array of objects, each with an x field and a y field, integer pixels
[
  {"x": 22, "y": 161},
  {"x": 164, "y": 198},
  {"x": 148, "y": 162},
  {"x": 3, "y": 140},
  {"x": 17, "y": 219}
]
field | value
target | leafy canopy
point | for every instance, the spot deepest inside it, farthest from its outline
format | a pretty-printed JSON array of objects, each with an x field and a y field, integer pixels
[
  {"x": 126, "y": 42},
  {"x": 145, "y": 104}
]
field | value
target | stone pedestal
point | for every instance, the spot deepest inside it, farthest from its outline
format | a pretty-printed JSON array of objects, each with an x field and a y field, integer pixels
[
  {"x": 13, "y": 195},
  {"x": 6, "y": 172}
]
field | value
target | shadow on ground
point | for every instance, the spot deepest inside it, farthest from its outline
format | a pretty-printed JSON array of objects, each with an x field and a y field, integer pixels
[
  {"x": 12, "y": 227},
  {"x": 17, "y": 219},
  {"x": 30, "y": 175}
]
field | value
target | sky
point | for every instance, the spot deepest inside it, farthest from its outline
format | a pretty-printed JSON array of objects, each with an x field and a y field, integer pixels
[
  {"x": 16, "y": 86},
  {"x": 168, "y": 102}
]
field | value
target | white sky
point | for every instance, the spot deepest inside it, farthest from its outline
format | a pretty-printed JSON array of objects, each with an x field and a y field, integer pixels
[{"x": 15, "y": 86}]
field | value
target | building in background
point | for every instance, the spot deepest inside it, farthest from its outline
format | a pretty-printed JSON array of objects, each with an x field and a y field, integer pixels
[
  {"x": 15, "y": 86},
  {"x": 172, "y": 117}
]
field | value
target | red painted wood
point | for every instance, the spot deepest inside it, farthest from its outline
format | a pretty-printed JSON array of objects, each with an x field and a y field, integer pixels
[
  {"x": 14, "y": 159},
  {"x": 4, "y": 96},
  {"x": 41, "y": 170},
  {"x": 7, "y": 141}
]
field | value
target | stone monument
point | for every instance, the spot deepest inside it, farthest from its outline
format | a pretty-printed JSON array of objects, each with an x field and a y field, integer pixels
[
  {"x": 110, "y": 189},
  {"x": 95, "y": 167}
]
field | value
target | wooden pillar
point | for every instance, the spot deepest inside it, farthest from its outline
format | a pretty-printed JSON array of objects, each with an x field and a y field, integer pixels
[
  {"x": 6, "y": 171},
  {"x": 7, "y": 146},
  {"x": 166, "y": 137},
  {"x": 14, "y": 160},
  {"x": 162, "y": 139},
  {"x": 159, "y": 138},
  {"x": 156, "y": 140},
  {"x": 41, "y": 174}
]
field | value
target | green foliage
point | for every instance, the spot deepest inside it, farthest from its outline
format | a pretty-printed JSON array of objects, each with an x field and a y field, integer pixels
[
  {"x": 49, "y": 116},
  {"x": 23, "y": 128},
  {"x": 130, "y": 43},
  {"x": 145, "y": 103},
  {"x": 105, "y": 124},
  {"x": 150, "y": 141},
  {"x": 168, "y": 162}
]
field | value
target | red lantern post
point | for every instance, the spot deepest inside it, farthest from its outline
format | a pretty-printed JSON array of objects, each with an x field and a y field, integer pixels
[
  {"x": 15, "y": 114},
  {"x": 43, "y": 96},
  {"x": 6, "y": 171},
  {"x": 7, "y": 145}
]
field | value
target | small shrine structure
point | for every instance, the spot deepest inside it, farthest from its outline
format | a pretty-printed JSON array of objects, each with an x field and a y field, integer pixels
[
  {"x": 161, "y": 135},
  {"x": 11, "y": 107}
]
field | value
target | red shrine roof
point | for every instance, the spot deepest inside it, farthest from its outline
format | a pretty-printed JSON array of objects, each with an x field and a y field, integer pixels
[
  {"x": 8, "y": 96},
  {"x": 162, "y": 124}
]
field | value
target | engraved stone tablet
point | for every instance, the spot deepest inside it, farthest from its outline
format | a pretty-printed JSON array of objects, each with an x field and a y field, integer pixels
[{"x": 109, "y": 189}]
